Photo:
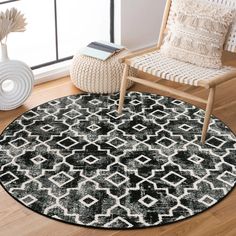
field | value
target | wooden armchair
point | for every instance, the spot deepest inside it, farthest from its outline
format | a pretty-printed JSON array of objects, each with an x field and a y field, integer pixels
[{"x": 152, "y": 62}]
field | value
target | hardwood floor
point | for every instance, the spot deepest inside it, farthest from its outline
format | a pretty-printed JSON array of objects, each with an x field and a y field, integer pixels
[{"x": 220, "y": 220}]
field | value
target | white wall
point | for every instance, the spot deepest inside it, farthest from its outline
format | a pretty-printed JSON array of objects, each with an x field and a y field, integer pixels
[
  {"x": 140, "y": 22},
  {"x": 137, "y": 25}
]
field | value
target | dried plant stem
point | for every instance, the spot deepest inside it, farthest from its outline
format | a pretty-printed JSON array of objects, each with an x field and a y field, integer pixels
[{"x": 11, "y": 21}]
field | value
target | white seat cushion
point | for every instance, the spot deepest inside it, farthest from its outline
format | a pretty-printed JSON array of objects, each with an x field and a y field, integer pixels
[{"x": 171, "y": 69}]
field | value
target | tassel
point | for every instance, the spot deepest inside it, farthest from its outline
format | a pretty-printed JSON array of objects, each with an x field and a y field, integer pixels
[
  {"x": 203, "y": 49},
  {"x": 181, "y": 17},
  {"x": 167, "y": 39},
  {"x": 175, "y": 41},
  {"x": 188, "y": 44},
  {"x": 221, "y": 27},
  {"x": 215, "y": 51},
  {"x": 188, "y": 20},
  {"x": 194, "y": 22},
  {"x": 208, "y": 26}
]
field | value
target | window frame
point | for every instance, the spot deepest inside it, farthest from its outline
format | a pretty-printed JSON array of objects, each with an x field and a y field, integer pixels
[{"x": 58, "y": 60}]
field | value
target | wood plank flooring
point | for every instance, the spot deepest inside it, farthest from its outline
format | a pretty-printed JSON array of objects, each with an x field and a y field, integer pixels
[{"x": 16, "y": 220}]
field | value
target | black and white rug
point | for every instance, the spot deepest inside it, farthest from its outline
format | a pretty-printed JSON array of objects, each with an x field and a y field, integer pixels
[{"x": 76, "y": 160}]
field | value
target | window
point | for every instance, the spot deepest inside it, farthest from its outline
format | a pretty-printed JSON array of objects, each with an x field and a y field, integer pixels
[{"x": 56, "y": 29}]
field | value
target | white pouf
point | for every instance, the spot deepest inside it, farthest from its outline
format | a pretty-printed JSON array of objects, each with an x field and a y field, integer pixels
[{"x": 96, "y": 76}]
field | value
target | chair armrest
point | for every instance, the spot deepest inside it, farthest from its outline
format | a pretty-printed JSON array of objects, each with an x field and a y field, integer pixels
[
  {"x": 218, "y": 80},
  {"x": 135, "y": 54}
]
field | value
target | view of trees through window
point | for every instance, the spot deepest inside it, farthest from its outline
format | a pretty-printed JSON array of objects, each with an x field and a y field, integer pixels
[{"x": 56, "y": 29}]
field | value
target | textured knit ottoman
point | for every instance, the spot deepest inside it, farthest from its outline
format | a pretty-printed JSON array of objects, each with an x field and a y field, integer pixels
[{"x": 96, "y": 76}]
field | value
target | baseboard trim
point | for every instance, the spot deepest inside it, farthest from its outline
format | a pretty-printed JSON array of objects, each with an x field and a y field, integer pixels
[
  {"x": 61, "y": 70},
  {"x": 53, "y": 72}
]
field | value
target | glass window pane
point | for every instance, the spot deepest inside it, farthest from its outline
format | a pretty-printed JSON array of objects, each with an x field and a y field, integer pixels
[
  {"x": 37, "y": 44},
  {"x": 80, "y": 22}
]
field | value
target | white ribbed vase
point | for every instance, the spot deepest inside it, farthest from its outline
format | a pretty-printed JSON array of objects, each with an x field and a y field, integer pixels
[{"x": 22, "y": 78}]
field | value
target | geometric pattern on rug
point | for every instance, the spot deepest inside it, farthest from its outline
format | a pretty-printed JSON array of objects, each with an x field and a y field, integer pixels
[{"x": 76, "y": 160}]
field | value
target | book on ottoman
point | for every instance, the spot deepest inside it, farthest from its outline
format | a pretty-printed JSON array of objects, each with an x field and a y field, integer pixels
[{"x": 101, "y": 50}]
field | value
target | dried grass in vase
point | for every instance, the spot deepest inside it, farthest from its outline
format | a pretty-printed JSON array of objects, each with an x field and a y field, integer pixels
[{"x": 11, "y": 21}]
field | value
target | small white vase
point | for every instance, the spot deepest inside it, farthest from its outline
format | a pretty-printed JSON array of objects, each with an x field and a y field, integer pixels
[{"x": 16, "y": 81}]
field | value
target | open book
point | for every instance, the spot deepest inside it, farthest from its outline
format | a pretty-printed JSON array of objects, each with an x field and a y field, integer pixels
[{"x": 101, "y": 50}]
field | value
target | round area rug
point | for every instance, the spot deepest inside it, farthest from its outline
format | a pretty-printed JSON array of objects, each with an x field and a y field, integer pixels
[{"x": 76, "y": 160}]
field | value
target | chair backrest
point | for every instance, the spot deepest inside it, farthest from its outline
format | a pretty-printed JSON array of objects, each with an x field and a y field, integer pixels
[{"x": 168, "y": 18}]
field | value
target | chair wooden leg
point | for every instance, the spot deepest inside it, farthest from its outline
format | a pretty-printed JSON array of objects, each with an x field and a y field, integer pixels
[
  {"x": 123, "y": 88},
  {"x": 208, "y": 113}
]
